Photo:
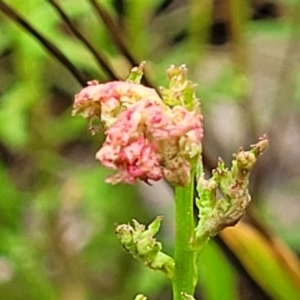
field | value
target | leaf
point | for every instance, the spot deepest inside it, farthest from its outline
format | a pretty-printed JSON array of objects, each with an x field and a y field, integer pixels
[
  {"x": 274, "y": 267},
  {"x": 217, "y": 278}
]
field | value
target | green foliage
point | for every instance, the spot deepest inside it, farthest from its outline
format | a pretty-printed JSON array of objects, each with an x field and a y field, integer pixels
[
  {"x": 215, "y": 283},
  {"x": 57, "y": 215}
]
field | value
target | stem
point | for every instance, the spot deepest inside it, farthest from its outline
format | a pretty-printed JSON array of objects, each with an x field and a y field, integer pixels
[
  {"x": 184, "y": 273},
  {"x": 51, "y": 48},
  {"x": 99, "y": 57}
]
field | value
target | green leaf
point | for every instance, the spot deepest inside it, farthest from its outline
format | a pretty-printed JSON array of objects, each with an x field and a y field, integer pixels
[
  {"x": 269, "y": 261},
  {"x": 217, "y": 279}
]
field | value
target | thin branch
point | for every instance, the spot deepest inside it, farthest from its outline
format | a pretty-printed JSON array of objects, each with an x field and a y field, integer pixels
[
  {"x": 5, "y": 53},
  {"x": 103, "y": 63},
  {"x": 114, "y": 32},
  {"x": 118, "y": 38},
  {"x": 50, "y": 47}
]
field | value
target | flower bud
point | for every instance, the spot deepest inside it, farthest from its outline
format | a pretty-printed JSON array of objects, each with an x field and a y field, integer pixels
[
  {"x": 142, "y": 245},
  {"x": 216, "y": 214}
]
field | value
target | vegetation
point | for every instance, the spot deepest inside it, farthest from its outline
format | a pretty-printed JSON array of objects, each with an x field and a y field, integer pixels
[{"x": 56, "y": 212}]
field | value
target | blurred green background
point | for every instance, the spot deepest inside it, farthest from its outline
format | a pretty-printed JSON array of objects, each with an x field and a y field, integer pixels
[{"x": 57, "y": 215}]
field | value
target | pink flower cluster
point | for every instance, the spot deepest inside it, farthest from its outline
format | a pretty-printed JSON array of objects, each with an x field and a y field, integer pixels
[
  {"x": 145, "y": 138},
  {"x": 107, "y": 100}
]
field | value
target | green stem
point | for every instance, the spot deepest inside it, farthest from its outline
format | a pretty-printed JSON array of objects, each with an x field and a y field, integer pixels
[{"x": 184, "y": 273}]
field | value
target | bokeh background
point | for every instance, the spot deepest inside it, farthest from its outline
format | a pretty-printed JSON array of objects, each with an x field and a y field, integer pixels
[{"x": 57, "y": 215}]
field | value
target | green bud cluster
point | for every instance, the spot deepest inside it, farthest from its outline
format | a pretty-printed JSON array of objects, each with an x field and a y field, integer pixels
[
  {"x": 217, "y": 213},
  {"x": 141, "y": 244}
]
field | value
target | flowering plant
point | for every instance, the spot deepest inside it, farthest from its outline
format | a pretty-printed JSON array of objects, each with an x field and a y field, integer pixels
[{"x": 151, "y": 136}]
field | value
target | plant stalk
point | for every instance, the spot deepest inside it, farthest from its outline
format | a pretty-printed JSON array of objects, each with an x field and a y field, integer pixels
[{"x": 184, "y": 279}]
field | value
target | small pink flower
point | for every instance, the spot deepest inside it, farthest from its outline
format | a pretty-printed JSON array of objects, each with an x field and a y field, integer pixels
[
  {"x": 109, "y": 99},
  {"x": 147, "y": 142},
  {"x": 127, "y": 147},
  {"x": 137, "y": 160}
]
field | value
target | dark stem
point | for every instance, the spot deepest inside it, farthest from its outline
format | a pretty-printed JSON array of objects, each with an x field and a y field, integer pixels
[
  {"x": 103, "y": 63},
  {"x": 114, "y": 32},
  {"x": 118, "y": 39},
  {"x": 50, "y": 47}
]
